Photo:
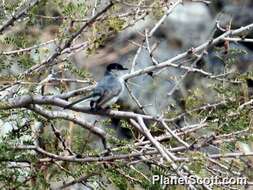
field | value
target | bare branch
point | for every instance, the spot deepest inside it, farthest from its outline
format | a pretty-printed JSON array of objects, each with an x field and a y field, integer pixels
[
  {"x": 69, "y": 41},
  {"x": 26, "y": 100},
  {"x": 170, "y": 62},
  {"x": 70, "y": 117},
  {"x": 152, "y": 31},
  {"x": 18, "y": 14}
]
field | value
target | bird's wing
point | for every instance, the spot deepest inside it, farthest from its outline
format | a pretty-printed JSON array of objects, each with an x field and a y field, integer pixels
[
  {"x": 105, "y": 98},
  {"x": 112, "y": 90},
  {"x": 79, "y": 100},
  {"x": 105, "y": 90}
]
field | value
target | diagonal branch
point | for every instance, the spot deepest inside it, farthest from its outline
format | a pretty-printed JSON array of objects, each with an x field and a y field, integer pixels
[
  {"x": 69, "y": 41},
  {"x": 153, "y": 30},
  {"x": 18, "y": 14},
  {"x": 169, "y": 157},
  {"x": 171, "y": 62},
  {"x": 70, "y": 117}
]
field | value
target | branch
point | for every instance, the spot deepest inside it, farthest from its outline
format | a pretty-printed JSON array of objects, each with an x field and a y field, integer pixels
[
  {"x": 130, "y": 92},
  {"x": 165, "y": 154},
  {"x": 174, "y": 134},
  {"x": 171, "y": 62},
  {"x": 69, "y": 41},
  {"x": 70, "y": 117},
  {"x": 127, "y": 156},
  {"x": 173, "y": 6},
  {"x": 153, "y": 30},
  {"x": 27, "y": 100},
  {"x": 81, "y": 179},
  {"x": 169, "y": 157},
  {"x": 28, "y": 48},
  {"x": 235, "y": 155},
  {"x": 239, "y": 40},
  {"x": 245, "y": 104},
  {"x": 18, "y": 14}
]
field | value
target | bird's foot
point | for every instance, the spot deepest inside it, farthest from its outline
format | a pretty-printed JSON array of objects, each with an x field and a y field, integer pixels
[{"x": 107, "y": 152}]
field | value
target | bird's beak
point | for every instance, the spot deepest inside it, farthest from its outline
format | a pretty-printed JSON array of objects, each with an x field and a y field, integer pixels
[{"x": 124, "y": 68}]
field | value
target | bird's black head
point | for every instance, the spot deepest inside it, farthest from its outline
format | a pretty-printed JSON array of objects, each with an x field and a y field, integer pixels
[{"x": 115, "y": 66}]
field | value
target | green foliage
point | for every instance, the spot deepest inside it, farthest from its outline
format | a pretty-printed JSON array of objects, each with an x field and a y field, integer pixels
[
  {"x": 41, "y": 182},
  {"x": 25, "y": 61},
  {"x": 81, "y": 140},
  {"x": 69, "y": 9},
  {"x": 117, "y": 179},
  {"x": 233, "y": 55},
  {"x": 11, "y": 177},
  {"x": 45, "y": 7},
  {"x": 103, "y": 32},
  {"x": 235, "y": 124},
  {"x": 75, "y": 9},
  {"x": 157, "y": 170},
  {"x": 198, "y": 165},
  {"x": 157, "y": 11},
  {"x": 114, "y": 139},
  {"x": 4, "y": 62},
  {"x": 195, "y": 98},
  {"x": 246, "y": 138},
  {"x": 149, "y": 186},
  {"x": 11, "y": 6},
  {"x": 19, "y": 40},
  {"x": 79, "y": 72},
  {"x": 115, "y": 24}
]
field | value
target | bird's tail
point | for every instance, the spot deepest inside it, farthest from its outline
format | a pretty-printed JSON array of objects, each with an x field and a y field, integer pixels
[{"x": 77, "y": 101}]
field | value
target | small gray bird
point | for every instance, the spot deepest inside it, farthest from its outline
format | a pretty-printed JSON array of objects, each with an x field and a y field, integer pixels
[{"x": 107, "y": 90}]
